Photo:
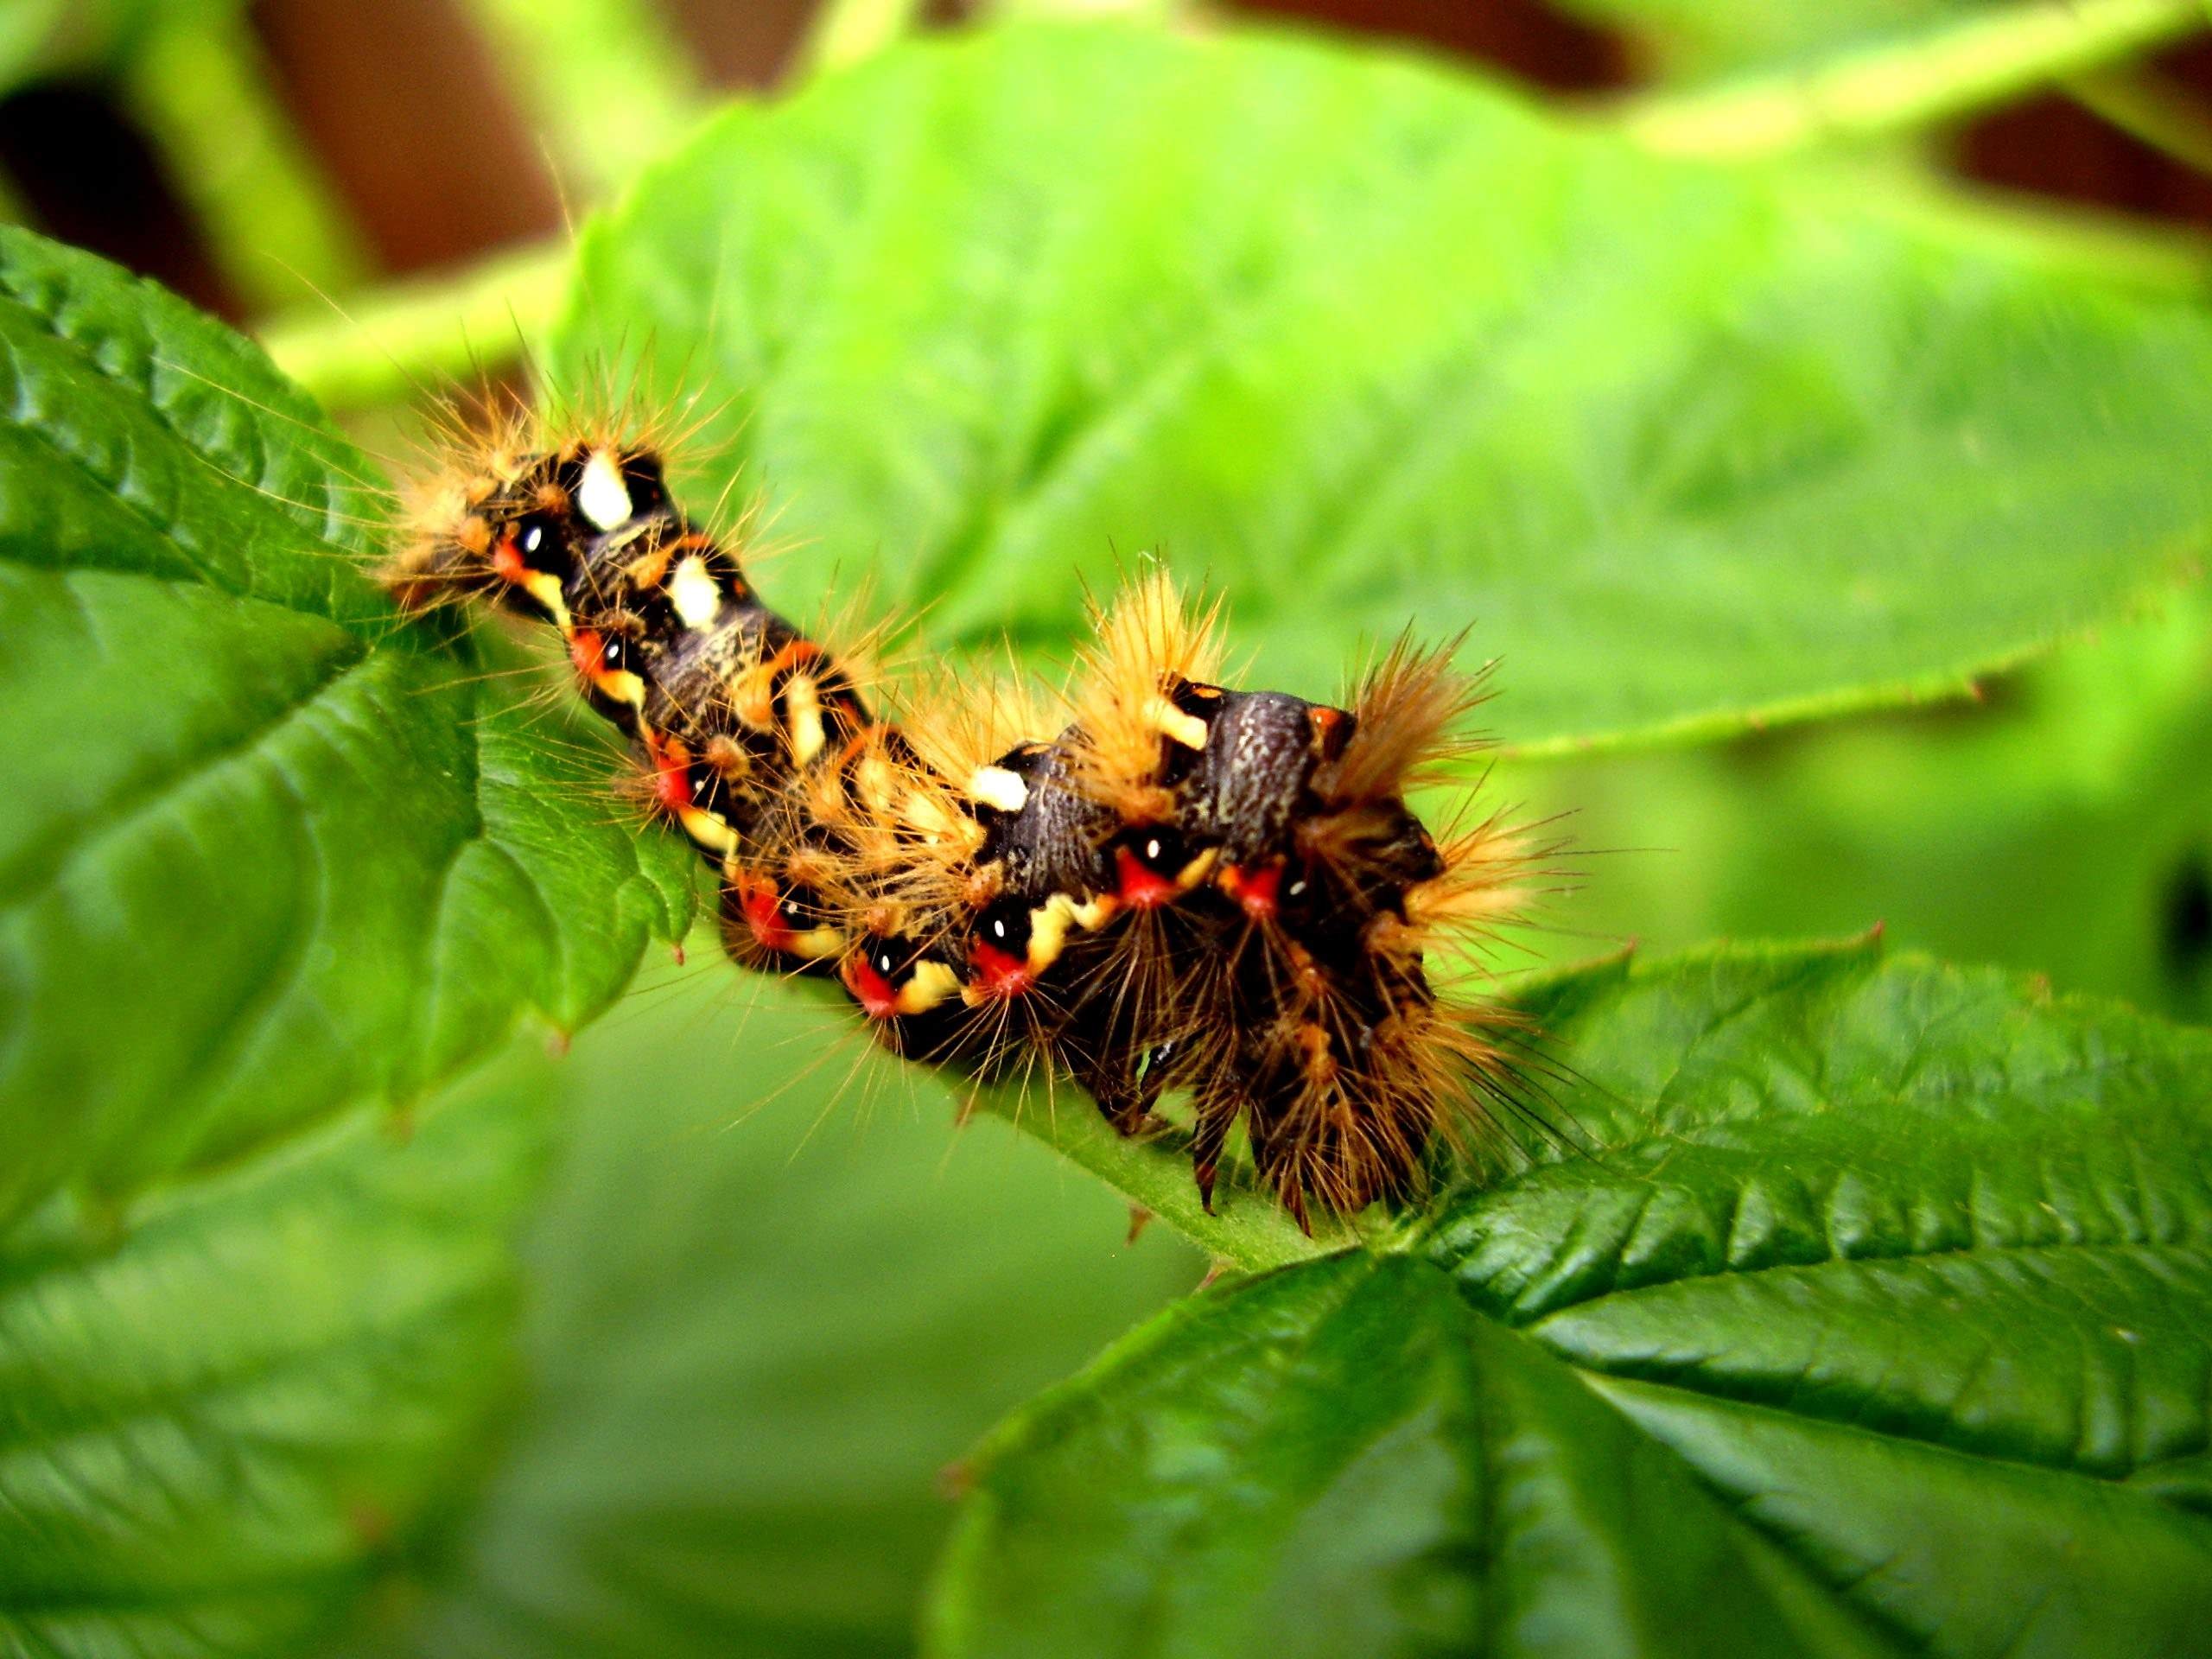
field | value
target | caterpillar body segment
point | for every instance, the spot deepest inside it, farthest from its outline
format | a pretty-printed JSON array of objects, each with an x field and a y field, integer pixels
[{"x": 1179, "y": 886}]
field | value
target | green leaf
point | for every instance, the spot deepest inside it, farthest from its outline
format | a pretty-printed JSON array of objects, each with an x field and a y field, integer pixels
[
  {"x": 1362, "y": 342},
  {"x": 216, "y": 1426},
  {"x": 2085, "y": 780},
  {"x": 1876, "y": 1324},
  {"x": 755, "y": 1337},
  {"x": 266, "y": 850}
]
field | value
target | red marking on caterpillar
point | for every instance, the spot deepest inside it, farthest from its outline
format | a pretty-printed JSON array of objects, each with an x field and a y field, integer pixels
[
  {"x": 1138, "y": 887},
  {"x": 998, "y": 975},
  {"x": 870, "y": 989},
  {"x": 1257, "y": 893},
  {"x": 672, "y": 782},
  {"x": 761, "y": 905},
  {"x": 1190, "y": 888},
  {"x": 506, "y": 560},
  {"x": 586, "y": 648}
]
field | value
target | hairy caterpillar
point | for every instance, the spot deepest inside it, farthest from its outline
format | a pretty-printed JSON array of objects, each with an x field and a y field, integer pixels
[{"x": 1164, "y": 884}]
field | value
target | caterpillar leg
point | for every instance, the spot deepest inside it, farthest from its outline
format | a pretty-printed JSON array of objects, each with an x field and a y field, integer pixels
[{"x": 1217, "y": 1112}]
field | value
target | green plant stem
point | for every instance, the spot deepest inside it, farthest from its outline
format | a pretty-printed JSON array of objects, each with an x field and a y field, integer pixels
[
  {"x": 392, "y": 342},
  {"x": 605, "y": 83},
  {"x": 2151, "y": 108},
  {"x": 845, "y": 31},
  {"x": 197, "y": 85},
  {"x": 1869, "y": 93},
  {"x": 1248, "y": 1230},
  {"x": 1145, "y": 10}
]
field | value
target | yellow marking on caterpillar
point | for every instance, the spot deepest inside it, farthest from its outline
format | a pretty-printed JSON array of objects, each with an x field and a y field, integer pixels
[
  {"x": 545, "y": 588},
  {"x": 1187, "y": 729},
  {"x": 691, "y": 589},
  {"x": 621, "y": 686},
  {"x": 876, "y": 782},
  {"x": 1197, "y": 869},
  {"x": 995, "y": 786},
  {"x": 710, "y": 829},
  {"x": 808, "y": 738},
  {"x": 930, "y": 984},
  {"x": 934, "y": 818},
  {"x": 818, "y": 943},
  {"x": 1048, "y": 932},
  {"x": 1095, "y": 913}
]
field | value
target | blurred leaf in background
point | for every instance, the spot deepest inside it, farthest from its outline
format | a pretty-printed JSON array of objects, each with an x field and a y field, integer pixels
[
  {"x": 2061, "y": 824},
  {"x": 192, "y": 78}
]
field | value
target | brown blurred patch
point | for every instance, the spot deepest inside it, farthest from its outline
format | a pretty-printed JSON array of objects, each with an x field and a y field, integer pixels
[
  {"x": 403, "y": 104},
  {"x": 2052, "y": 146},
  {"x": 746, "y": 45},
  {"x": 1529, "y": 40},
  {"x": 88, "y": 176}
]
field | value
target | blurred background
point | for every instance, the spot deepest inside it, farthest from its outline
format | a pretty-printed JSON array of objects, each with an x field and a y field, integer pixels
[
  {"x": 728, "y": 1438},
  {"x": 248, "y": 154}
]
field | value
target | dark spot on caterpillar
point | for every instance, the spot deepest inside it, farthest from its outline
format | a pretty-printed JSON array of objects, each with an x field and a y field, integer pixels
[
  {"x": 998, "y": 951},
  {"x": 641, "y": 474},
  {"x": 1147, "y": 866}
]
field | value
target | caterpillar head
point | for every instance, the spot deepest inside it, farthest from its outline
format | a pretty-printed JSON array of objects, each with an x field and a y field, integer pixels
[{"x": 519, "y": 525}]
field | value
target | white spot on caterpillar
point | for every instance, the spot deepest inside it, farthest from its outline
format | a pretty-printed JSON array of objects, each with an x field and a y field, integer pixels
[
  {"x": 603, "y": 497},
  {"x": 691, "y": 589},
  {"x": 996, "y": 786},
  {"x": 1187, "y": 729}
]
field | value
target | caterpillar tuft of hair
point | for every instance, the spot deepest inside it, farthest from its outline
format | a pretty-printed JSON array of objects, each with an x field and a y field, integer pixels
[{"x": 1159, "y": 884}]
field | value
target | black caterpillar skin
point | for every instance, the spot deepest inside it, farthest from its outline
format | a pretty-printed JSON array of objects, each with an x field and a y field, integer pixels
[{"x": 1235, "y": 915}]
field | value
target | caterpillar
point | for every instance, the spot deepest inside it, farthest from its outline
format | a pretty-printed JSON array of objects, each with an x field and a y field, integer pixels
[{"x": 1161, "y": 883}]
